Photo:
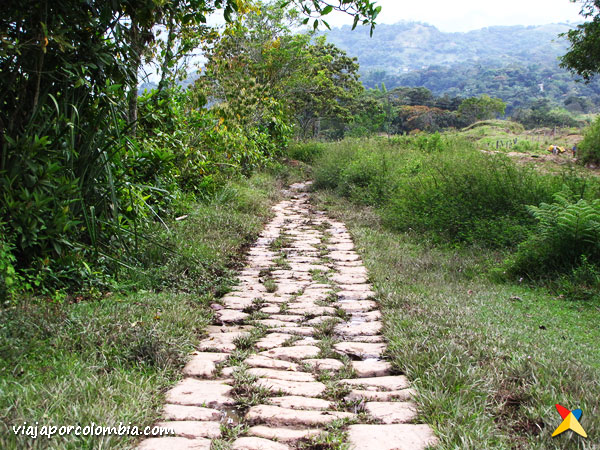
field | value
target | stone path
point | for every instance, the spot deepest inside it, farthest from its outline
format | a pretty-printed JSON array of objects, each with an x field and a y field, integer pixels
[{"x": 295, "y": 358}]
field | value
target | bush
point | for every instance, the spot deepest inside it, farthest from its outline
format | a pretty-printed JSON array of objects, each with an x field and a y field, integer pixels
[
  {"x": 305, "y": 151},
  {"x": 589, "y": 149},
  {"x": 438, "y": 185},
  {"x": 567, "y": 230}
]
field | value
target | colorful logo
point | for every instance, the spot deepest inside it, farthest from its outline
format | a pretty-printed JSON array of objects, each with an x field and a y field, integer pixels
[{"x": 570, "y": 421}]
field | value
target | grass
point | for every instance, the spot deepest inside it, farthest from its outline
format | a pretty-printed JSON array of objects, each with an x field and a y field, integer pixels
[
  {"x": 110, "y": 359},
  {"x": 488, "y": 360}
]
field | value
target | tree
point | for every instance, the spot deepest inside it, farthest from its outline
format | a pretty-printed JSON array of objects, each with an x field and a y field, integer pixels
[
  {"x": 259, "y": 66},
  {"x": 583, "y": 56},
  {"x": 481, "y": 108}
]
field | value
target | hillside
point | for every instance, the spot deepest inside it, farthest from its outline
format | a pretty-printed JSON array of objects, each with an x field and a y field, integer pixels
[
  {"x": 407, "y": 46},
  {"x": 518, "y": 64}
]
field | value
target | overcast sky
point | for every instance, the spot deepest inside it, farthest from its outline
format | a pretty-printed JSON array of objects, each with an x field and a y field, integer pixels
[{"x": 465, "y": 15}]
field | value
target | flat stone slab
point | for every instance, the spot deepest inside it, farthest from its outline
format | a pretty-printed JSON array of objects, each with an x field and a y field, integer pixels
[
  {"x": 371, "y": 368},
  {"x": 390, "y": 383},
  {"x": 207, "y": 393},
  {"x": 174, "y": 443},
  {"x": 272, "y": 340},
  {"x": 270, "y": 363},
  {"x": 274, "y": 415},
  {"x": 299, "y": 402},
  {"x": 192, "y": 429},
  {"x": 221, "y": 338},
  {"x": 285, "y": 375},
  {"x": 283, "y": 434},
  {"x": 296, "y": 353},
  {"x": 256, "y": 443},
  {"x": 390, "y": 437},
  {"x": 287, "y": 317},
  {"x": 359, "y": 329},
  {"x": 308, "y": 389},
  {"x": 202, "y": 364},
  {"x": 231, "y": 316},
  {"x": 345, "y": 279},
  {"x": 343, "y": 256},
  {"x": 356, "y": 305},
  {"x": 276, "y": 323},
  {"x": 325, "y": 364},
  {"x": 182, "y": 412},
  {"x": 313, "y": 310},
  {"x": 362, "y": 350},
  {"x": 379, "y": 396},
  {"x": 298, "y": 331},
  {"x": 349, "y": 296},
  {"x": 392, "y": 412}
]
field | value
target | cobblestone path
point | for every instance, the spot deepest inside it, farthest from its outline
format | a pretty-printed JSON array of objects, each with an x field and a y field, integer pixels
[{"x": 295, "y": 359}]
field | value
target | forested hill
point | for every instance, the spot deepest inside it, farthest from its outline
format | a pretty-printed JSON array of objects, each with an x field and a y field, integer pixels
[
  {"x": 413, "y": 46},
  {"x": 516, "y": 63}
]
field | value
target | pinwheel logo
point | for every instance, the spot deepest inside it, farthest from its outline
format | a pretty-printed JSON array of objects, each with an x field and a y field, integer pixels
[{"x": 570, "y": 421}]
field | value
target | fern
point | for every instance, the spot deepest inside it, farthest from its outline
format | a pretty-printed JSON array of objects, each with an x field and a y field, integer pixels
[{"x": 567, "y": 230}]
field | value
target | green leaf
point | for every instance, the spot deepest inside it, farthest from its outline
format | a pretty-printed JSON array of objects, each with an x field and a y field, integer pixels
[
  {"x": 327, "y": 10},
  {"x": 356, "y": 18}
]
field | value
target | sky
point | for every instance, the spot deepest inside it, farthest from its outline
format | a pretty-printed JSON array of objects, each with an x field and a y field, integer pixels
[{"x": 466, "y": 15}]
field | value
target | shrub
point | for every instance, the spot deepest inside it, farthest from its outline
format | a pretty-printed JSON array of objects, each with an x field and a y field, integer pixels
[
  {"x": 567, "y": 230},
  {"x": 305, "y": 151},
  {"x": 589, "y": 148},
  {"x": 467, "y": 196}
]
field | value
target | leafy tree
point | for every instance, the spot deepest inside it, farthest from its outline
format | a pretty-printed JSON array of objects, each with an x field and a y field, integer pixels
[
  {"x": 77, "y": 182},
  {"x": 583, "y": 56},
  {"x": 273, "y": 69},
  {"x": 481, "y": 108}
]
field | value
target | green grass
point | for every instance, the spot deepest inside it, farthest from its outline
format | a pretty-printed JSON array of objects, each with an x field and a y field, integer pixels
[
  {"x": 489, "y": 361},
  {"x": 110, "y": 359}
]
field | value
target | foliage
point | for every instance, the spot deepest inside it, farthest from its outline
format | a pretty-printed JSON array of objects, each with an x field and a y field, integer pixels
[
  {"x": 86, "y": 166},
  {"x": 438, "y": 185},
  {"x": 567, "y": 230},
  {"x": 588, "y": 150},
  {"x": 481, "y": 108},
  {"x": 284, "y": 78},
  {"x": 582, "y": 57},
  {"x": 305, "y": 151},
  {"x": 542, "y": 114}
]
